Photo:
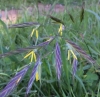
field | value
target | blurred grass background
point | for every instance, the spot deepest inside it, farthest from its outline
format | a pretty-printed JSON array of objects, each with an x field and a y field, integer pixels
[{"x": 9, "y": 4}]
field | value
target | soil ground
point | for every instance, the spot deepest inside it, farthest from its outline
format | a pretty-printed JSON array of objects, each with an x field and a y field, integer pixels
[{"x": 12, "y": 15}]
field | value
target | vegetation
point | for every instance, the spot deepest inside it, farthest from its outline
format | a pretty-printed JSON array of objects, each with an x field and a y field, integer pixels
[{"x": 57, "y": 56}]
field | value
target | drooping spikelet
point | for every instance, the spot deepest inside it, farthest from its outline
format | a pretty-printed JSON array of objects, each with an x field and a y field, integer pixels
[
  {"x": 27, "y": 48},
  {"x": 82, "y": 52},
  {"x": 33, "y": 75},
  {"x": 74, "y": 67},
  {"x": 58, "y": 61},
  {"x": 13, "y": 83}
]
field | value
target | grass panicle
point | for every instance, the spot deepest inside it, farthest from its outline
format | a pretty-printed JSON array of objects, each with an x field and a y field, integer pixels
[
  {"x": 74, "y": 66},
  {"x": 33, "y": 75},
  {"x": 13, "y": 82},
  {"x": 58, "y": 61},
  {"x": 82, "y": 52}
]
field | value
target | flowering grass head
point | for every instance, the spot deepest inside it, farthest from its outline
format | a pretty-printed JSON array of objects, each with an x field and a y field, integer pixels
[
  {"x": 33, "y": 75},
  {"x": 46, "y": 54},
  {"x": 13, "y": 82},
  {"x": 74, "y": 66},
  {"x": 75, "y": 61},
  {"x": 79, "y": 50},
  {"x": 58, "y": 60}
]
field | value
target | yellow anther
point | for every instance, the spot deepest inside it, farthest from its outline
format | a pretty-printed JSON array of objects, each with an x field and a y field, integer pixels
[
  {"x": 74, "y": 56},
  {"x": 28, "y": 55},
  {"x": 34, "y": 55},
  {"x": 37, "y": 76},
  {"x": 61, "y": 33},
  {"x": 37, "y": 34},
  {"x": 32, "y": 32},
  {"x": 60, "y": 29}
]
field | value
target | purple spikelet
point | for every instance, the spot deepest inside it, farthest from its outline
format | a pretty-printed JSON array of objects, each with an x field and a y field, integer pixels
[
  {"x": 58, "y": 61},
  {"x": 13, "y": 82},
  {"x": 82, "y": 52},
  {"x": 46, "y": 42},
  {"x": 33, "y": 74},
  {"x": 74, "y": 67}
]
